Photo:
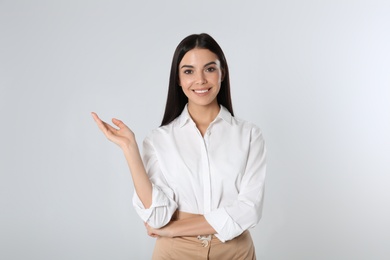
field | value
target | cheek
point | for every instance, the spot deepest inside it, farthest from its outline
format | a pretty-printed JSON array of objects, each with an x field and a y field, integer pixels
[
  {"x": 217, "y": 78},
  {"x": 185, "y": 81}
]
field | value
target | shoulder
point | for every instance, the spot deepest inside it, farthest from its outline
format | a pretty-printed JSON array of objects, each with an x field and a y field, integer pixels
[
  {"x": 162, "y": 131},
  {"x": 237, "y": 122},
  {"x": 246, "y": 126}
]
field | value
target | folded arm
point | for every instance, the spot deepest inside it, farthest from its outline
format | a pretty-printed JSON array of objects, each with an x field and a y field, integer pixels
[
  {"x": 192, "y": 225},
  {"x": 230, "y": 221},
  {"x": 244, "y": 212}
]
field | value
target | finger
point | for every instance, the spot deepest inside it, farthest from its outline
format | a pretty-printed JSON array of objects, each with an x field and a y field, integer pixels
[
  {"x": 95, "y": 117},
  {"x": 110, "y": 128},
  {"x": 103, "y": 126},
  {"x": 99, "y": 122},
  {"x": 152, "y": 234},
  {"x": 118, "y": 123}
]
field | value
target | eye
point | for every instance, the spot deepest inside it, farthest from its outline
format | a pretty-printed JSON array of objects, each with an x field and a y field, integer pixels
[
  {"x": 210, "y": 69},
  {"x": 187, "y": 71}
]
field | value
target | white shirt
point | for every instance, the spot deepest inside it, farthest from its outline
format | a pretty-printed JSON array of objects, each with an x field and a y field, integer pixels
[{"x": 220, "y": 175}]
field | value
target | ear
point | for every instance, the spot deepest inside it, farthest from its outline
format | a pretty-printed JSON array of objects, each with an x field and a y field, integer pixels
[{"x": 223, "y": 74}]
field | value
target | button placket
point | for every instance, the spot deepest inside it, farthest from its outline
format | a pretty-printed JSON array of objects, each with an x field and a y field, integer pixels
[
  {"x": 205, "y": 172},
  {"x": 206, "y": 177}
]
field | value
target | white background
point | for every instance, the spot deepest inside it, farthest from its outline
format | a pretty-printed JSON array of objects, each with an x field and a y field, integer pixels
[{"x": 314, "y": 75}]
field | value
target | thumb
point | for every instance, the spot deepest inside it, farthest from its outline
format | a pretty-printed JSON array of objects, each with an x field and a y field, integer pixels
[{"x": 118, "y": 123}]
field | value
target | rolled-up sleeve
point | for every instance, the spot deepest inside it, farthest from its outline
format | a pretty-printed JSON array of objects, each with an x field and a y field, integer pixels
[
  {"x": 163, "y": 204},
  {"x": 245, "y": 212}
]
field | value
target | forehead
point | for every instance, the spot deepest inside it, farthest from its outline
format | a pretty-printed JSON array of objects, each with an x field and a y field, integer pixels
[{"x": 199, "y": 57}]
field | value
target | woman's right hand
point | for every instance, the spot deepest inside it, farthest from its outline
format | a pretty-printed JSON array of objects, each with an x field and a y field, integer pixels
[{"x": 122, "y": 136}]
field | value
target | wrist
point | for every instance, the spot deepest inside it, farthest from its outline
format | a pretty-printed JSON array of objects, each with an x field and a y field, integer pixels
[
  {"x": 130, "y": 148},
  {"x": 170, "y": 229}
]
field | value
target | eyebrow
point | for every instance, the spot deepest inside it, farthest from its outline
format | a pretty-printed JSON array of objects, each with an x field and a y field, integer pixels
[{"x": 207, "y": 64}]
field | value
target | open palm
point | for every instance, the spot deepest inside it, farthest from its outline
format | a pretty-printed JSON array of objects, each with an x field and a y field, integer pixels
[{"x": 121, "y": 136}]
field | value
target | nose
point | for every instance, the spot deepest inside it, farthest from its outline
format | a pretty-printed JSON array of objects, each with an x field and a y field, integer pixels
[{"x": 201, "y": 79}]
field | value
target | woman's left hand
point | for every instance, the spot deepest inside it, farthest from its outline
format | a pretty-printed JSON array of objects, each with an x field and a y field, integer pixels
[{"x": 158, "y": 232}]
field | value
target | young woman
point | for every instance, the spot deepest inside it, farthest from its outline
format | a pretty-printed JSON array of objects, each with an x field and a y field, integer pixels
[{"x": 200, "y": 185}]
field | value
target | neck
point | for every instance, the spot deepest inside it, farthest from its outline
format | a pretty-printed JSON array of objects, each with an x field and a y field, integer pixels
[{"x": 203, "y": 115}]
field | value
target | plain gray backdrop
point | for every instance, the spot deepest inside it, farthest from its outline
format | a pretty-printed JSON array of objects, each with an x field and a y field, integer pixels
[{"x": 314, "y": 75}]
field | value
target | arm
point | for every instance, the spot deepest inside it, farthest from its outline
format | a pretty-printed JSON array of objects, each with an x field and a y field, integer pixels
[
  {"x": 244, "y": 212},
  {"x": 142, "y": 184},
  {"x": 153, "y": 199},
  {"x": 192, "y": 226},
  {"x": 125, "y": 139},
  {"x": 163, "y": 206}
]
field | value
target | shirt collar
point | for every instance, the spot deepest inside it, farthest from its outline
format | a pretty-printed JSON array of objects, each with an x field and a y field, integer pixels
[
  {"x": 223, "y": 114},
  {"x": 184, "y": 116}
]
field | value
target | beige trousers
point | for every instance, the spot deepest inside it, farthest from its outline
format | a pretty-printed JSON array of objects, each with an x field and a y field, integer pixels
[{"x": 192, "y": 248}]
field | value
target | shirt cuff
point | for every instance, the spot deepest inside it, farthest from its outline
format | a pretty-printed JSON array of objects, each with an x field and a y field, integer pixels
[
  {"x": 223, "y": 224},
  {"x": 155, "y": 219}
]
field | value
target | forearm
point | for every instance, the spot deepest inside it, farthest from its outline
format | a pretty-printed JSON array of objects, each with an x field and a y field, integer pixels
[
  {"x": 124, "y": 138},
  {"x": 142, "y": 184}
]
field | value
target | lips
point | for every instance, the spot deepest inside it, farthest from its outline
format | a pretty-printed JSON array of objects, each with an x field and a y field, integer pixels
[{"x": 201, "y": 91}]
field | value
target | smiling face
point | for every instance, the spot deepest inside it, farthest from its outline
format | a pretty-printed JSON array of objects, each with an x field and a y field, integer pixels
[{"x": 200, "y": 76}]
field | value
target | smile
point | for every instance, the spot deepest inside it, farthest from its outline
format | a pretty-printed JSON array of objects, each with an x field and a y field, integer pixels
[{"x": 201, "y": 91}]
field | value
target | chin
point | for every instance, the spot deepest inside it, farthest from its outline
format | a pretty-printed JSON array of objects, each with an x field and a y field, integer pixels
[{"x": 204, "y": 103}]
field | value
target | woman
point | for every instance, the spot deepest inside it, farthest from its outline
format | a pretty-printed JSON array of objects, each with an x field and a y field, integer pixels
[{"x": 200, "y": 185}]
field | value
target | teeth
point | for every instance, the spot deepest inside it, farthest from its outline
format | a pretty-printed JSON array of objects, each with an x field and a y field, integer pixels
[{"x": 201, "y": 91}]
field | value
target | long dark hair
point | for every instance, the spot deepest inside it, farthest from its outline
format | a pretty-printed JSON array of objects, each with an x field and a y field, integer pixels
[{"x": 176, "y": 99}]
